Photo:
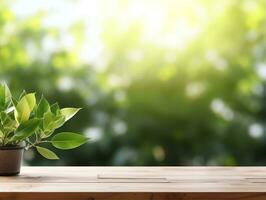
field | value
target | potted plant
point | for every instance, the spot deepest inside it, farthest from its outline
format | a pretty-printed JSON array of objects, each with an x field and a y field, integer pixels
[{"x": 25, "y": 124}]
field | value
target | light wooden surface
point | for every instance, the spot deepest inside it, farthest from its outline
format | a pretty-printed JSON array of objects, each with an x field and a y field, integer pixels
[{"x": 93, "y": 183}]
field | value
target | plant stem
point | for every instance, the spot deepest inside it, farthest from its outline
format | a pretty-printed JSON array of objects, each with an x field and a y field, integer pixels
[
  {"x": 4, "y": 139},
  {"x": 35, "y": 143}
]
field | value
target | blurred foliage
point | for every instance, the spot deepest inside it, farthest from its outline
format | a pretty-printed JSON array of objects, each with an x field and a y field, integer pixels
[{"x": 193, "y": 95}]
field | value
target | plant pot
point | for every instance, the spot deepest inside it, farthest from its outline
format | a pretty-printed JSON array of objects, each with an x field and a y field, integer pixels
[{"x": 10, "y": 160}]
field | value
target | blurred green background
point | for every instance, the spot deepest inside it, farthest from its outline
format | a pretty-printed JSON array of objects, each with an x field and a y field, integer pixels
[{"x": 161, "y": 82}]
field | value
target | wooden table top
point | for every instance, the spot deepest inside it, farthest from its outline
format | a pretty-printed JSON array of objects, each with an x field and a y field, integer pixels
[{"x": 136, "y": 179}]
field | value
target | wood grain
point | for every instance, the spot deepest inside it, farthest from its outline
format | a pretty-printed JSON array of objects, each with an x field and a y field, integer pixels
[
  {"x": 134, "y": 196},
  {"x": 95, "y": 183}
]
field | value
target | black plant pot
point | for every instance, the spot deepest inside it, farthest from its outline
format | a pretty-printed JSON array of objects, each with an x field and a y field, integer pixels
[{"x": 10, "y": 160}]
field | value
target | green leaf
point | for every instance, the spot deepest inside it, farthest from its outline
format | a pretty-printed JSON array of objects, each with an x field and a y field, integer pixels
[
  {"x": 47, "y": 153},
  {"x": 8, "y": 124},
  {"x": 69, "y": 112},
  {"x": 55, "y": 109},
  {"x": 25, "y": 130},
  {"x": 47, "y": 119},
  {"x": 51, "y": 121},
  {"x": 5, "y": 96},
  {"x": 2, "y": 97},
  {"x": 14, "y": 101},
  {"x": 25, "y": 107},
  {"x": 43, "y": 107},
  {"x": 1, "y": 134},
  {"x": 8, "y": 95},
  {"x": 68, "y": 140},
  {"x": 23, "y": 93}
]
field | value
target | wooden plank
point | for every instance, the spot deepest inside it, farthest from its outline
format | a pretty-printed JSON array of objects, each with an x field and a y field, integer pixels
[
  {"x": 134, "y": 196},
  {"x": 186, "y": 183}
]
